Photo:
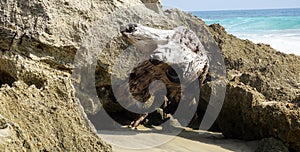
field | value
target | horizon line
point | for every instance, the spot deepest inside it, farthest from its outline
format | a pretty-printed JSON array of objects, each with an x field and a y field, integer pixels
[{"x": 237, "y": 9}]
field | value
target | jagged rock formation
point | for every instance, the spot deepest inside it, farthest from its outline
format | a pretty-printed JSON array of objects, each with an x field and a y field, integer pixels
[
  {"x": 39, "y": 110},
  {"x": 262, "y": 97}
]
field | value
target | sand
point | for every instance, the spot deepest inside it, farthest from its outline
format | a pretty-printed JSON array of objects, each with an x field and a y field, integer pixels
[{"x": 187, "y": 141}]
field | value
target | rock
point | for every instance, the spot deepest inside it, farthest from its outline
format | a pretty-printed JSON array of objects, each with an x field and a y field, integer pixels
[
  {"x": 39, "y": 106},
  {"x": 272, "y": 73},
  {"x": 154, "y": 5},
  {"x": 261, "y": 96},
  {"x": 38, "y": 43},
  {"x": 271, "y": 145}
]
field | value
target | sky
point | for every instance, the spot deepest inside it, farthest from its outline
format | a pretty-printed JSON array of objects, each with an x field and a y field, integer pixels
[{"x": 197, "y": 5}]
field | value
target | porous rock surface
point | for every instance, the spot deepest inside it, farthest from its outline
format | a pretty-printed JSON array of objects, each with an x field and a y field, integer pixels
[{"x": 39, "y": 110}]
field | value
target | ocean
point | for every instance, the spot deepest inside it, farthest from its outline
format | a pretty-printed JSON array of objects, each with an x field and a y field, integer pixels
[{"x": 279, "y": 28}]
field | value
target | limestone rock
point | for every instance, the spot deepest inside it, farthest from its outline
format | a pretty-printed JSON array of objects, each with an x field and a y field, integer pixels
[
  {"x": 40, "y": 110},
  {"x": 261, "y": 96},
  {"x": 154, "y": 5},
  {"x": 38, "y": 43}
]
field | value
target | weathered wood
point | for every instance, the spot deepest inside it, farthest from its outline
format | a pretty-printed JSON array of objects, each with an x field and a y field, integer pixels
[{"x": 178, "y": 59}]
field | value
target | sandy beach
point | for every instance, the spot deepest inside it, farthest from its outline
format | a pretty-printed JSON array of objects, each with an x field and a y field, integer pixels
[{"x": 187, "y": 141}]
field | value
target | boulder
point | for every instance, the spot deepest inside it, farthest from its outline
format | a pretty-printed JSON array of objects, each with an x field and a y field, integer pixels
[{"x": 39, "y": 110}]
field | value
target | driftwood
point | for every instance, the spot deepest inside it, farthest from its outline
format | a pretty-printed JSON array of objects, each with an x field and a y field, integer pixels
[{"x": 176, "y": 58}]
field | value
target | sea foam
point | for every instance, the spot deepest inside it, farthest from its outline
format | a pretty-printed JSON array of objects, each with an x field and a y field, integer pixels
[{"x": 288, "y": 43}]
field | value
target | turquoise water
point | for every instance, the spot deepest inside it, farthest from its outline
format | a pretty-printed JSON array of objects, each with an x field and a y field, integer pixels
[
  {"x": 253, "y": 20},
  {"x": 278, "y": 27}
]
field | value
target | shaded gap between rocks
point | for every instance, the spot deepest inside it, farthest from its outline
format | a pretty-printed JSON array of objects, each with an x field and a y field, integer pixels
[
  {"x": 39, "y": 83},
  {"x": 6, "y": 78}
]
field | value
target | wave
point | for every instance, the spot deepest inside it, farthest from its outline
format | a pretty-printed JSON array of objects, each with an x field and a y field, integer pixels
[{"x": 287, "y": 43}]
